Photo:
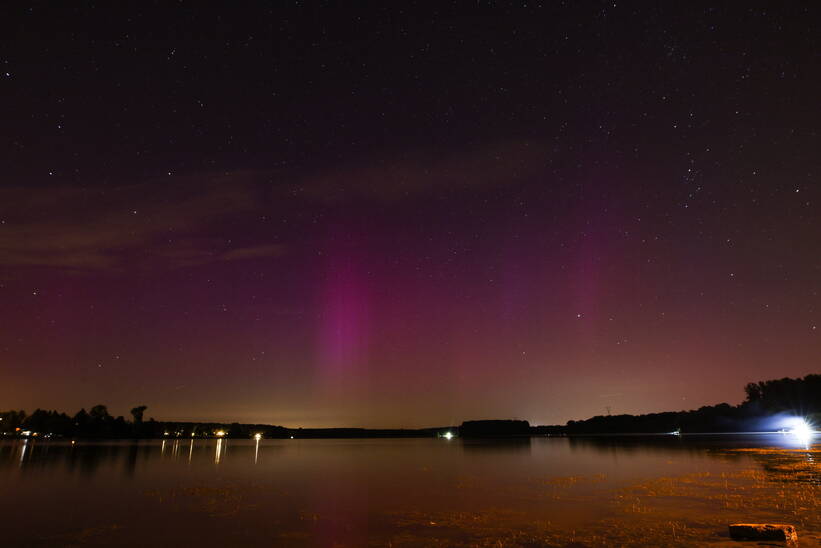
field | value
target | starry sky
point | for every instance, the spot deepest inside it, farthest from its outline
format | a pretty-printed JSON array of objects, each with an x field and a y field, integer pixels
[{"x": 322, "y": 214}]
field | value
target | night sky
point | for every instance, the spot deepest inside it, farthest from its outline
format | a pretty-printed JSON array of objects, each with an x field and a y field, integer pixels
[{"x": 349, "y": 215}]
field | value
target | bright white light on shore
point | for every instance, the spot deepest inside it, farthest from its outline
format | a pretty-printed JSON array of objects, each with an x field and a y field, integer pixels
[
  {"x": 219, "y": 433},
  {"x": 448, "y": 435},
  {"x": 802, "y": 430},
  {"x": 257, "y": 437}
]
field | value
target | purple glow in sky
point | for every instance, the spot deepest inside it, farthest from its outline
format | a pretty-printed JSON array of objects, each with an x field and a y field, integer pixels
[{"x": 347, "y": 217}]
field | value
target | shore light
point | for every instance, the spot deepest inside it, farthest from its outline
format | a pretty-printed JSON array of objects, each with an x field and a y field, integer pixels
[
  {"x": 448, "y": 435},
  {"x": 219, "y": 433},
  {"x": 802, "y": 430},
  {"x": 257, "y": 437}
]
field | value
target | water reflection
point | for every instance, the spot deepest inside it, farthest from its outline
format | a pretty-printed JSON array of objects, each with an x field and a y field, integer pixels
[
  {"x": 332, "y": 491},
  {"x": 23, "y": 449},
  {"x": 86, "y": 456},
  {"x": 798, "y": 437},
  {"x": 128, "y": 456},
  {"x": 131, "y": 461},
  {"x": 688, "y": 443},
  {"x": 218, "y": 454},
  {"x": 497, "y": 445}
]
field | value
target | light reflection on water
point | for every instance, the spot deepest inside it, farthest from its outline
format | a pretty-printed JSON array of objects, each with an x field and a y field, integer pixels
[
  {"x": 218, "y": 452},
  {"x": 320, "y": 492}
]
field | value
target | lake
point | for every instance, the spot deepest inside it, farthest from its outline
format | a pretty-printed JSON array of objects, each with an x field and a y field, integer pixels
[{"x": 538, "y": 492}]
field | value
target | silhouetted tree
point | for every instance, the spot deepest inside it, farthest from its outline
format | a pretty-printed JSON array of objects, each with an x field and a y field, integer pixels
[
  {"x": 119, "y": 427},
  {"x": 11, "y": 420},
  {"x": 800, "y": 396},
  {"x": 99, "y": 413},
  {"x": 137, "y": 413},
  {"x": 81, "y": 420},
  {"x": 753, "y": 392}
]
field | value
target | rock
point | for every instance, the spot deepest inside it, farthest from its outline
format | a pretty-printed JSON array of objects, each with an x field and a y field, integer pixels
[{"x": 763, "y": 531}]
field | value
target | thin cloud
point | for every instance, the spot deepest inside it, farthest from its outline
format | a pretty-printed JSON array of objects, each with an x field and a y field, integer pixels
[
  {"x": 253, "y": 252},
  {"x": 175, "y": 223},
  {"x": 421, "y": 173},
  {"x": 100, "y": 228}
]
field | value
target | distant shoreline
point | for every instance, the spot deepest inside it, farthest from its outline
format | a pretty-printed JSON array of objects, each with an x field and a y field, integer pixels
[
  {"x": 774, "y": 405},
  {"x": 347, "y": 433}
]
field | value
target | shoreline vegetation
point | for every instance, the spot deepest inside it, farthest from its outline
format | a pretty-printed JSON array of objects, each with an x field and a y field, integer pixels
[{"x": 766, "y": 400}]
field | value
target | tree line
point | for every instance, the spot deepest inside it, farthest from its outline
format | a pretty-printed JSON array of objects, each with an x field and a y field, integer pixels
[
  {"x": 795, "y": 397},
  {"x": 799, "y": 397},
  {"x": 97, "y": 422}
]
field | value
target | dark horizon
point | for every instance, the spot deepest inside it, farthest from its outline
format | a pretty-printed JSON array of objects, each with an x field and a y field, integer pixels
[
  {"x": 772, "y": 405},
  {"x": 286, "y": 213}
]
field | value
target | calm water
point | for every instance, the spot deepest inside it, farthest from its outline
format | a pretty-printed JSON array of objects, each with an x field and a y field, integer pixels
[{"x": 384, "y": 492}]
